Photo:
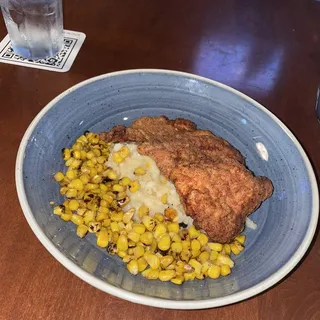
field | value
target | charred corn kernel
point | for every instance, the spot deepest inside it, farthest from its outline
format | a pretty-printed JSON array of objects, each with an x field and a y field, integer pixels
[
  {"x": 117, "y": 217},
  {"x": 69, "y": 162},
  {"x": 224, "y": 259},
  {"x": 195, "y": 245},
  {"x": 213, "y": 255},
  {"x": 66, "y": 154},
  {"x": 193, "y": 232},
  {"x": 75, "y": 164},
  {"x": 203, "y": 239},
  {"x": 94, "y": 226},
  {"x": 234, "y": 249},
  {"x": 159, "y": 230},
  {"x": 117, "y": 158},
  {"x": 204, "y": 256},
  {"x": 189, "y": 276},
  {"x": 78, "y": 220},
  {"x": 185, "y": 255},
  {"x": 127, "y": 217},
  {"x": 142, "y": 264},
  {"x": 166, "y": 261},
  {"x": 124, "y": 151},
  {"x": 76, "y": 184},
  {"x": 196, "y": 265},
  {"x": 111, "y": 174},
  {"x": 134, "y": 186},
  {"x": 118, "y": 188},
  {"x": 85, "y": 178},
  {"x": 66, "y": 216},
  {"x": 205, "y": 267},
  {"x": 82, "y": 230},
  {"x": 164, "y": 242},
  {"x": 138, "y": 252},
  {"x": 171, "y": 214},
  {"x": 59, "y": 210},
  {"x": 166, "y": 275},
  {"x": 241, "y": 239},
  {"x": 214, "y": 272},
  {"x": 103, "y": 239},
  {"x": 153, "y": 261},
  {"x": 114, "y": 227},
  {"x": 122, "y": 243},
  {"x": 139, "y": 171},
  {"x": 225, "y": 270},
  {"x": 149, "y": 223},
  {"x": 135, "y": 237},
  {"x": 151, "y": 274},
  {"x": 71, "y": 193},
  {"x": 101, "y": 216},
  {"x": 64, "y": 190},
  {"x": 146, "y": 238},
  {"x": 215, "y": 246},
  {"x": 133, "y": 267},
  {"x": 125, "y": 181},
  {"x": 227, "y": 249},
  {"x": 177, "y": 280},
  {"x": 143, "y": 210},
  {"x": 159, "y": 217},
  {"x": 81, "y": 211},
  {"x": 59, "y": 176},
  {"x": 106, "y": 222},
  {"x": 185, "y": 244},
  {"x": 173, "y": 227},
  {"x": 139, "y": 228},
  {"x": 73, "y": 204},
  {"x": 164, "y": 198}
]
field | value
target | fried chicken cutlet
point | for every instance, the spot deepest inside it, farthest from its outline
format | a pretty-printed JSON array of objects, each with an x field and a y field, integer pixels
[{"x": 215, "y": 187}]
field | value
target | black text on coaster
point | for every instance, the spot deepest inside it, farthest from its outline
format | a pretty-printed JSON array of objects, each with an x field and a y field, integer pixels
[{"x": 61, "y": 62}]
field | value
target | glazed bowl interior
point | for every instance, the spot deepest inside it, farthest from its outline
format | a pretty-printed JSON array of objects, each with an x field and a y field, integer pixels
[{"x": 286, "y": 222}]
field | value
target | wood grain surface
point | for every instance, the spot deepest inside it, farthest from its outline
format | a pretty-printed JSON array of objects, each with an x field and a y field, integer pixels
[{"x": 269, "y": 50}]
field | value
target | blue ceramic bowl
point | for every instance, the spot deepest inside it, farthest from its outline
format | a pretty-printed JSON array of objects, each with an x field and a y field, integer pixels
[{"x": 286, "y": 222}]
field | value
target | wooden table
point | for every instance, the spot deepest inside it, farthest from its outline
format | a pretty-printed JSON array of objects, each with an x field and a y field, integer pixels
[{"x": 269, "y": 50}]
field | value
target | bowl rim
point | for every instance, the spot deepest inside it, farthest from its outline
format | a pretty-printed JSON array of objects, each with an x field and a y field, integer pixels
[{"x": 140, "y": 298}]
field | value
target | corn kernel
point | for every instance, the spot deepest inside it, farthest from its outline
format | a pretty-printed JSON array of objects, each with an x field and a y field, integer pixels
[
  {"x": 195, "y": 265},
  {"x": 58, "y": 176},
  {"x": 204, "y": 256},
  {"x": 215, "y": 246},
  {"x": 139, "y": 228},
  {"x": 118, "y": 188},
  {"x": 227, "y": 249},
  {"x": 153, "y": 261},
  {"x": 124, "y": 152},
  {"x": 125, "y": 181},
  {"x": 193, "y": 232},
  {"x": 111, "y": 174},
  {"x": 171, "y": 214},
  {"x": 166, "y": 275},
  {"x": 213, "y": 255},
  {"x": 66, "y": 216},
  {"x": 214, "y": 272},
  {"x": 159, "y": 217},
  {"x": 94, "y": 226},
  {"x": 195, "y": 245},
  {"x": 241, "y": 239},
  {"x": 173, "y": 227},
  {"x": 78, "y": 220},
  {"x": 203, "y": 239},
  {"x": 59, "y": 210},
  {"x": 225, "y": 270},
  {"x": 138, "y": 251},
  {"x": 82, "y": 230},
  {"x": 133, "y": 236},
  {"x": 159, "y": 230},
  {"x": 133, "y": 267},
  {"x": 71, "y": 193},
  {"x": 143, "y": 210},
  {"x": 224, "y": 259},
  {"x": 189, "y": 276},
  {"x": 103, "y": 239},
  {"x": 142, "y": 264},
  {"x": 73, "y": 204},
  {"x": 117, "y": 158},
  {"x": 122, "y": 243},
  {"x": 164, "y": 198},
  {"x": 146, "y": 238},
  {"x": 114, "y": 227},
  {"x": 127, "y": 217},
  {"x": 149, "y": 223},
  {"x": 166, "y": 261},
  {"x": 134, "y": 186},
  {"x": 139, "y": 171},
  {"x": 177, "y": 280}
]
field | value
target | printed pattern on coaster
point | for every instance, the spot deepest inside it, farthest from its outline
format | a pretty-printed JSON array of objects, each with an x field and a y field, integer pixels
[{"x": 61, "y": 62}]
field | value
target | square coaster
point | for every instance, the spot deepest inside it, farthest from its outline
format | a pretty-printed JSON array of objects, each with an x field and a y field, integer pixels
[{"x": 61, "y": 62}]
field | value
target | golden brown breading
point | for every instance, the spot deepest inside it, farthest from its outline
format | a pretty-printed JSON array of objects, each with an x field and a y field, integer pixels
[{"x": 215, "y": 187}]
